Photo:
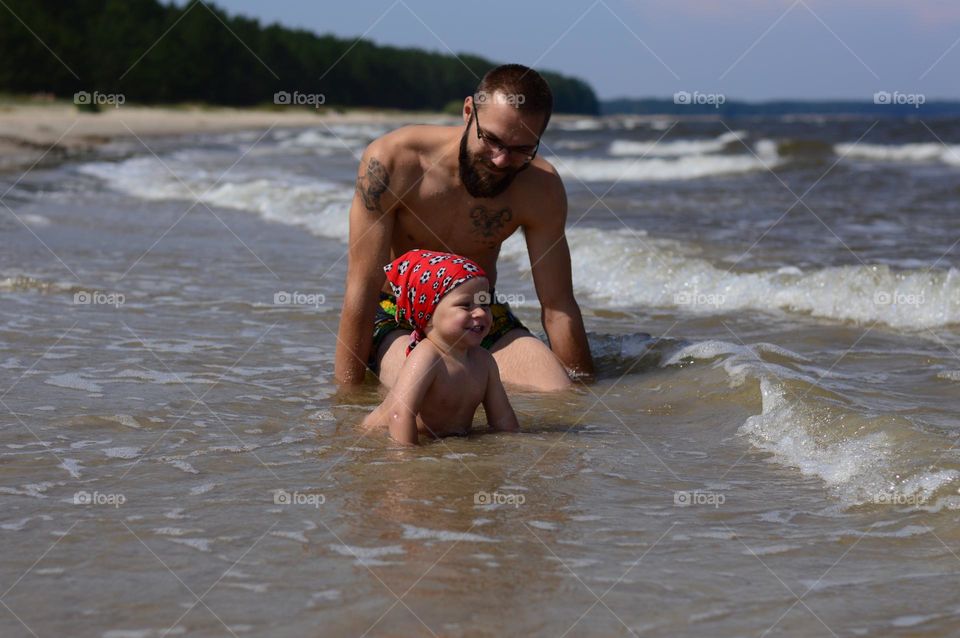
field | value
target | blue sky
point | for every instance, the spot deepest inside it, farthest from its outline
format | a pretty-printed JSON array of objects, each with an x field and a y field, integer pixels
[{"x": 745, "y": 49}]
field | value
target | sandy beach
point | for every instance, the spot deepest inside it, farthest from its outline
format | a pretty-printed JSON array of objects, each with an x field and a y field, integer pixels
[{"x": 38, "y": 133}]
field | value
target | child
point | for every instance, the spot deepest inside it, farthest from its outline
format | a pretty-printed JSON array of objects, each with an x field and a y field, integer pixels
[{"x": 447, "y": 374}]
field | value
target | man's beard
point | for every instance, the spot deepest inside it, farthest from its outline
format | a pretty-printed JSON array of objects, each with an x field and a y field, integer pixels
[{"x": 482, "y": 185}]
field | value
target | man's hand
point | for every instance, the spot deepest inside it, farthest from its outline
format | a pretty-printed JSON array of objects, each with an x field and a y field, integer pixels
[{"x": 371, "y": 227}]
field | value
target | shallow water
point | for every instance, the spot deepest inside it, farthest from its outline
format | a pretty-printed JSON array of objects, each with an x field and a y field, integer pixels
[{"x": 778, "y": 461}]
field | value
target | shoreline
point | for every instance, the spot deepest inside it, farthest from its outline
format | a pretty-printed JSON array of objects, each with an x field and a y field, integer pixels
[{"x": 46, "y": 134}]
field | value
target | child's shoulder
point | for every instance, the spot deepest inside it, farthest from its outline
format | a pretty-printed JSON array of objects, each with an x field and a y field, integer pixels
[{"x": 426, "y": 351}]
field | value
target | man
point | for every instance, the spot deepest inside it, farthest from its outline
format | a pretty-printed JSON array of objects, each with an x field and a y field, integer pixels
[{"x": 464, "y": 191}]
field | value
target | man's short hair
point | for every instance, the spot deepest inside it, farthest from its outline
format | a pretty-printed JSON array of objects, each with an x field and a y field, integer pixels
[{"x": 519, "y": 86}]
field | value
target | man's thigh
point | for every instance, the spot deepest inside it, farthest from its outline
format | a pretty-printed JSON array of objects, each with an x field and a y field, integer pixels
[
  {"x": 391, "y": 355},
  {"x": 526, "y": 362}
]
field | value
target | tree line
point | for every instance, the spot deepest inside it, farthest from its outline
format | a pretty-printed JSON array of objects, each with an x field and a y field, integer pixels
[{"x": 150, "y": 52}]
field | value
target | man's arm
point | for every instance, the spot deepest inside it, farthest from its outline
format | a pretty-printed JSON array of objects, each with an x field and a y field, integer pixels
[
  {"x": 550, "y": 264},
  {"x": 371, "y": 228}
]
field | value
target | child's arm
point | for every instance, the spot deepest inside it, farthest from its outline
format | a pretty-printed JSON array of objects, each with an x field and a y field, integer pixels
[
  {"x": 500, "y": 415},
  {"x": 402, "y": 404}
]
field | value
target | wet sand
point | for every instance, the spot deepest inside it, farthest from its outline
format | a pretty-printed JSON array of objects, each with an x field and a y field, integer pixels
[{"x": 46, "y": 133}]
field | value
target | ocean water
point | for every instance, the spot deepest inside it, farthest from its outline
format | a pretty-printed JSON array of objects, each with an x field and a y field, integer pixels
[{"x": 778, "y": 459}]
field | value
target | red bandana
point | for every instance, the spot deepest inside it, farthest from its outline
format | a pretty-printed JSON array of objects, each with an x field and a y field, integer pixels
[{"x": 420, "y": 279}]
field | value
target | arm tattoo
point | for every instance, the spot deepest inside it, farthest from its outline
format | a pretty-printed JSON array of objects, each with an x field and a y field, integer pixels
[
  {"x": 489, "y": 223},
  {"x": 373, "y": 184}
]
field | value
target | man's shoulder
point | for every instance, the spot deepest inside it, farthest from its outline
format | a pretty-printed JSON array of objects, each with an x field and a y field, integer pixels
[
  {"x": 540, "y": 188},
  {"x": 546, "y": 175},
  {"x": 407, "y": 141}
]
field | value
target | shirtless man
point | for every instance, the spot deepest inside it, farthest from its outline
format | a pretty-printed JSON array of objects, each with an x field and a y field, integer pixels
[{"x": 466, "y": 190}]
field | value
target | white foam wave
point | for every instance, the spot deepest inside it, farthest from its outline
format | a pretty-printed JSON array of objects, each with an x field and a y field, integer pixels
[
  {"x": 665, "y": 273},
  {"x": 863, "y": 459},
  {"x": 661, "y": 169},
  {"x": 413, "y": 532},
  {"x": 652, "y": 148},
  {"x": 657, "y": 272},
  {"x": 122, "y": 452},
  {"x": 585, "y": 124},
  {"x": 317, "y": 205},
  {"x": 327, "y": 141},
  {"x": 784, "y": 429},
  {"x": 917, "y": 152},
  {"x": 367, "y": 552},
  {"x": 712, "y": 349},
  {"x": 73, "y": 381}
]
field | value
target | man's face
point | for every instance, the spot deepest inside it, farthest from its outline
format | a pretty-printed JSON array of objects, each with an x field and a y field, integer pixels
[{"x": 486, "y": 170}]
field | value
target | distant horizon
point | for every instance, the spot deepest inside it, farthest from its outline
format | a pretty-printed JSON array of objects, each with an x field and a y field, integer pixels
[{"x": 806, "y": 100}]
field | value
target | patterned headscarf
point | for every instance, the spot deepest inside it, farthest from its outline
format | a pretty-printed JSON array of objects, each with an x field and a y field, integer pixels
[{"x": 420, "y": 279}]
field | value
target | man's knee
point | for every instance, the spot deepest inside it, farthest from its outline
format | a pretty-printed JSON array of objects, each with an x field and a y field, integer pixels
[
  {"x": 390, "y": 356},
  {"x": 526, "y": 361}
]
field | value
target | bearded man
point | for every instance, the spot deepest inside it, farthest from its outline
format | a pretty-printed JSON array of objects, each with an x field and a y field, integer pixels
[{"x": 465, "y": 190}]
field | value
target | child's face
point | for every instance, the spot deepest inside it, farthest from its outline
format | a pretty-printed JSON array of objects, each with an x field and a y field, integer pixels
[{"x": 462, "y": 318}]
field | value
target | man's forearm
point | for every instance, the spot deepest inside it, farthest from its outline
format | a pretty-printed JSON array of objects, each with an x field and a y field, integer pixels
[
  {"x": 568, "y": 339},
  {"x": 353, "y": 345}
]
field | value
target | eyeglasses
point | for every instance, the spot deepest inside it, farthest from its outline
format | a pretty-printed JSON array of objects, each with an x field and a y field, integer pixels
[{"x": 526, "y": 152}]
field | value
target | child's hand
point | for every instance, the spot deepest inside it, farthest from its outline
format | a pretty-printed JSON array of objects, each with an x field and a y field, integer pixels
[{"x": 403, "y": 428}]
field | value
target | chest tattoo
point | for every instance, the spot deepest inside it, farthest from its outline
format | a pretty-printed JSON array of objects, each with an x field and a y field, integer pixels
[{"x": 488, "y": 224}]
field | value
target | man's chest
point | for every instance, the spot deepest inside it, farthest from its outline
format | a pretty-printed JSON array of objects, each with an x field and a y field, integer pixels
[{"x": 454, "y": 220}]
